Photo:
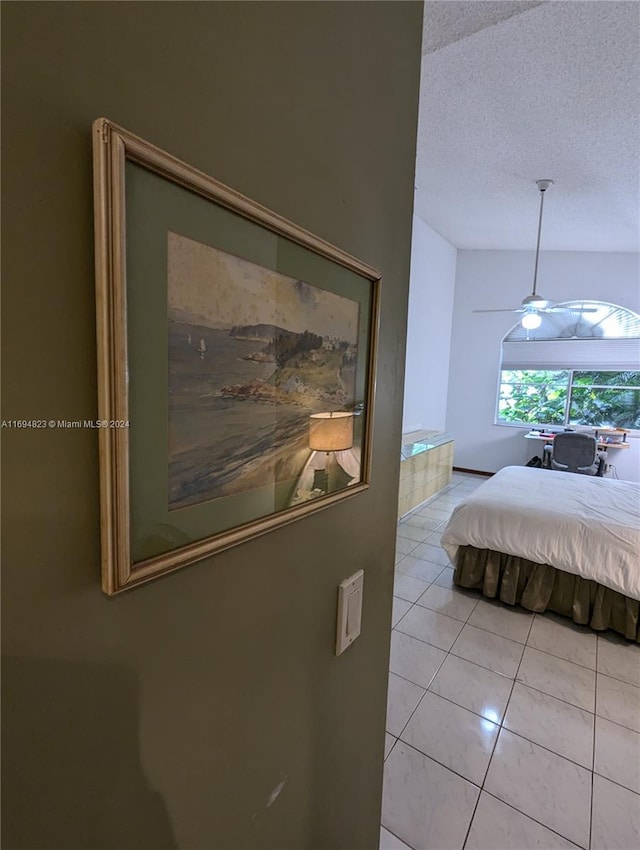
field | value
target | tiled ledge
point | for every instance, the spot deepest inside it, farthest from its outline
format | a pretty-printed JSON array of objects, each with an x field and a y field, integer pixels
[{"x": 425, "y": 467}]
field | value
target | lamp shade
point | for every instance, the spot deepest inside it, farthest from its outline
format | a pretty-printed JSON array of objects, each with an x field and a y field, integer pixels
[{"x": 330, "y": 432}]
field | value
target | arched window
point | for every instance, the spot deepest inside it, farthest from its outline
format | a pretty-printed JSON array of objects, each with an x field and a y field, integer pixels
[{"x": 576, "y": 368}]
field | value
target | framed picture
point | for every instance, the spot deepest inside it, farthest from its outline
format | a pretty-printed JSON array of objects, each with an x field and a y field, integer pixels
[{"x": 236, "y": 364}]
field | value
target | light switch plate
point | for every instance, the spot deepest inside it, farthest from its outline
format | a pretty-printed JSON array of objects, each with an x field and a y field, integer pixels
[{"x": 349, "y": 611}]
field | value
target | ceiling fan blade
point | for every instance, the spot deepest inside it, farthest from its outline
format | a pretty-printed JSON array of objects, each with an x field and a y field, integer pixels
[
  {"x": 570, "y": 310},
  {"x": 538, "y": 310},
  {"x": 534, "y": 304},
  {"x": 501, "y": 310}
]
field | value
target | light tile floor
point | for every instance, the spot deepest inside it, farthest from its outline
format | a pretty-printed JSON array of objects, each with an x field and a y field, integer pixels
[{"x": 505, "y": 730}]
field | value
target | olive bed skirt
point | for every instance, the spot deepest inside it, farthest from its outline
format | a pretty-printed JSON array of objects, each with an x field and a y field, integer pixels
[{"x": 539, "y": 587}]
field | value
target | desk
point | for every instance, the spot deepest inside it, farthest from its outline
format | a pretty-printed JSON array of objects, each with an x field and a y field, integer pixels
[{"x": 603, "y": 445}]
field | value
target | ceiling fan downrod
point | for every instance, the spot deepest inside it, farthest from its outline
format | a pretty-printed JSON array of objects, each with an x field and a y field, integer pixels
[
  {"x": 542, "y": 185},
  {"x": 533, "y": 305}
]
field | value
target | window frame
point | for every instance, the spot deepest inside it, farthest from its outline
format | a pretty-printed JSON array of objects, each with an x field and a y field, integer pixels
[{"x": 567, "y": 406}]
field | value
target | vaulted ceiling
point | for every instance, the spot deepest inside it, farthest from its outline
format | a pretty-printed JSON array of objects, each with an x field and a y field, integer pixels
[{"x": 516, "y": 91}]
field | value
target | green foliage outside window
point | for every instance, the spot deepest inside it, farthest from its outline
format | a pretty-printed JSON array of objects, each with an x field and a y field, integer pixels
[
  {"x": 543, "y": 397},
  {"x": 605, "y": 408},
  {"x": 606, "y": 379},
  {"x": 533, "y": 396}
]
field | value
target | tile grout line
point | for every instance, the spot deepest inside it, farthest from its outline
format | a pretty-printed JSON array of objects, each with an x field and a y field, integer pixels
[
  {"x": 421, "y": 698},
  {"x": 615, "y": 679},
  {"x": 416, "y": 522},
  {"x": 495, "y": 743},
  {"x": 463, "y": 707},
  {"x": 496, "y": 634},
  {"x": 500, "y": 724},
  {"x": 417, "y": 568},
  {"x": 418, "y": 545},
  {"x": 418, "y": 542},
  {"x": 426, "y": 642},
  {"x": 531, "y": 646},
  {"x": 448, "y": 652},
  {"x": 445, "y": 766},
  {"x": 436, "y": 611},
  {"x": 617, "y": 784},
  {"x": 560, "y": 658},
  {"x": 432, "y": 506},
  {"x": 548, "y": 750},
  {"x": 397, "y": 836},
  {"x": 428, "y": 583},
  {"x": 418, "y": 558},
  {"x": 454, "y": 619},
  {"x": 593, "y": 754},
  {"x": 504, "y": 675},
  {"x": 560, "y": 699},
  {"x": 539, "y": 822},
  {"x": 398, "y": 738},
  {"x": 483, "y": 790},
  {"x": 434, "y": 515},
  {"x": 411, "y": 605},
  {"x": 465, "y": 623},
  {"x": 426, "y": 690}
]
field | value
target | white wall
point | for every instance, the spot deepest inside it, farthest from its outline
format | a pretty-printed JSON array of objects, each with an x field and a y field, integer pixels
[
  {"x": 502, "y": 279},
  {"x": 431, "y": 288}
]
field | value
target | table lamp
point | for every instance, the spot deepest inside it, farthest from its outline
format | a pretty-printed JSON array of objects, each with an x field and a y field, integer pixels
[{"x": 329, "y": 433}]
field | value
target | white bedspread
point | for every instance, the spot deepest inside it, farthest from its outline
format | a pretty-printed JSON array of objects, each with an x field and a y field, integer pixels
[{"x": 577, "y": 523}]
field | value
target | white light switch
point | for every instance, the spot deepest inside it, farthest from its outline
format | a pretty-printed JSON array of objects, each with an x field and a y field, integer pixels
[{"x": 349, "y": 610}]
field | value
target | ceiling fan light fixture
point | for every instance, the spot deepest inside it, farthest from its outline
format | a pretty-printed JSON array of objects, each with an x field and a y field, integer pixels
[
  {"x": 535, "y": 302},
  {"x": 531, "y": 321}
]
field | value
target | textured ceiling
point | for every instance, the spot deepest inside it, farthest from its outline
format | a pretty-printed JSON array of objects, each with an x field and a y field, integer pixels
[
  {"x": 450, "y": 21},
  {"x": 516, "y": 91}
]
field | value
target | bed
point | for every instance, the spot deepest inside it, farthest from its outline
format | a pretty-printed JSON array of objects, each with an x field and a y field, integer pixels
[{"x": 552, "y": 541}]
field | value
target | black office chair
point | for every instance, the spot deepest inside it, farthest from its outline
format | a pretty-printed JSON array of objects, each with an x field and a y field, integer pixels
[{"x": 575, "y": 452}]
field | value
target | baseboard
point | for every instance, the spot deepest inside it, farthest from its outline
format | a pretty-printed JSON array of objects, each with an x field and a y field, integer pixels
[{"x": 472, "y": 471}]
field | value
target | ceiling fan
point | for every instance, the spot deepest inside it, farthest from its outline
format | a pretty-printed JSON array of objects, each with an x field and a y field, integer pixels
[{"x": 533, "y": 305}]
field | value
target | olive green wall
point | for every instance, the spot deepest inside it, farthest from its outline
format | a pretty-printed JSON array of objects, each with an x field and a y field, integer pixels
[{"x": 165, "y": 717}]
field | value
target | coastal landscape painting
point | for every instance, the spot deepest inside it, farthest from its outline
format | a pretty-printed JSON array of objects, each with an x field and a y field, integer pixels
[
  {"x": 252, "y": 354},
  {"x": 239, "y": 351}
]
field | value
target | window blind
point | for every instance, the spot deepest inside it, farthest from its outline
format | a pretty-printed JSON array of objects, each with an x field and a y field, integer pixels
[{"x": 614, "y": 355}]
